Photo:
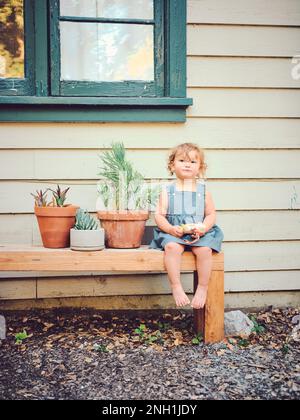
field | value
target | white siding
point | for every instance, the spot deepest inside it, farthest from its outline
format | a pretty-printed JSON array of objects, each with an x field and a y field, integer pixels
[{"x": 246, "y": 115}]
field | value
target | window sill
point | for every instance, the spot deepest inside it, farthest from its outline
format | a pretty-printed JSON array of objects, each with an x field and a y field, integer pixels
[{"x": 92, "y": 109}]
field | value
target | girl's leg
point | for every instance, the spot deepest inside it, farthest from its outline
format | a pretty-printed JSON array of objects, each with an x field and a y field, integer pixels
[
  {"x": 172, "y": 259},
  {"x": 204, "y": 267}
]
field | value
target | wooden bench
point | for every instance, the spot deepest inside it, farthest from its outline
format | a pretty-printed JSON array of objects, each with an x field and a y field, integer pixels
[{"x": 208, "y": 321}]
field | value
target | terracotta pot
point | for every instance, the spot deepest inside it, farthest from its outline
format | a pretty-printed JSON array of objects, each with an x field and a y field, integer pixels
[
  {"x": 123, "y": 229},
  {"x": 55, "y": 224}
]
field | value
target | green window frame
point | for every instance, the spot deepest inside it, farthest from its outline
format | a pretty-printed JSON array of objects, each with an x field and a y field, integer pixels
[
  {"x": 89, "y": 88},
  {"x": 42, "y": 96}
]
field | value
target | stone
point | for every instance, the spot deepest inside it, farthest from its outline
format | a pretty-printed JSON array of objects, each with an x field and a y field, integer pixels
[
  {"x": 2, "y": 328},
  {"x": 237, "y": 324}
]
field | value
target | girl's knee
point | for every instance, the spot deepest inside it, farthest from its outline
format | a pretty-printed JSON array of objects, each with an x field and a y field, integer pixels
[
  {"x": 174, "y": 247},
  {"x": 203, "y": 251}
]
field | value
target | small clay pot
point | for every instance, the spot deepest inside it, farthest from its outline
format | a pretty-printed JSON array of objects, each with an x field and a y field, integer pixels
[
  {"x": 124, "y": 229},
  {"x": 55, "y": 224}
]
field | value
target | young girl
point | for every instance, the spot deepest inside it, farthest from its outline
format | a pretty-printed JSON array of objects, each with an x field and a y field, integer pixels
[{"x": 183, "y": 202}]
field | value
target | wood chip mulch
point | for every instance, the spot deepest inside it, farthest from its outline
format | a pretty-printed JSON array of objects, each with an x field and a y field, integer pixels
[{"x": 148, "y": 355}]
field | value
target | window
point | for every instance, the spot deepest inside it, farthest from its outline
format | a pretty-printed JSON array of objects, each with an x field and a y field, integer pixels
[
  {"x": 93, "y": 60},
  {"x": 119, "y": 43},
  {"x": 16, "y": 75}
]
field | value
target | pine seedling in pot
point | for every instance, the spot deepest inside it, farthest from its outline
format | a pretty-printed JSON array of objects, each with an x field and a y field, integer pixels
[
  {"x": 126, "y": 197},
  {"x": 120, "y": 178}
]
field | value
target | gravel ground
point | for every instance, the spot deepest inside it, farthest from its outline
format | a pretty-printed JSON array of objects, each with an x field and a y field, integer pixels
[{"x": 145, "y": 356}]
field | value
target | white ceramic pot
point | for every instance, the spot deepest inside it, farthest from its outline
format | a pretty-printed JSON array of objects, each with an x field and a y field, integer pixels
[{"x": 87, "y": 240}]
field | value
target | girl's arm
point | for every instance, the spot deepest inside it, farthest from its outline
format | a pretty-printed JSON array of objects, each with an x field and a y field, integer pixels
[
  {"x": 161, "y": 211},
  {"x": 210, "y": 212},
  {"x": 209, "y": 215},
  {"x": 160, "y": 216}
]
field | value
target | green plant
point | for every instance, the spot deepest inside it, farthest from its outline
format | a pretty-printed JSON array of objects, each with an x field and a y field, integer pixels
[
  {"x": 259, "y": 329},
  {"x": 59, "y": 196},
  {"x": 148, "y": 338},
  {"x": 40, "y": 198},
  {"x": 243, "y": 342},
  {"x": 157, "y": 338},
  {"x": 19, "y": 337},
  {"x": 122, "y": 185},
  {"x": 141, "y": 330},
  {"x": 84, "y": 221},
  {"x": 101, "y": 348},
  {"x": 285, "y": 348},
  {"x": 164, "y": 326},
  {"x": 197, "y": 339}
]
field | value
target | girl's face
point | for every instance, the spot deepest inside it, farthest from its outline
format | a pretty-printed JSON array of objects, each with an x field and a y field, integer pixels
[{"x": 186, "y": 166}]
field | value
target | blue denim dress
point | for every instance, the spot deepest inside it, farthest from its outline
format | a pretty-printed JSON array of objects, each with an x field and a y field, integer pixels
[{"x": 187, "y": 207}]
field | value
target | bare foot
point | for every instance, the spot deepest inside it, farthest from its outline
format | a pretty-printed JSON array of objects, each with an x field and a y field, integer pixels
[
  {"x": 199, "y": 299},
  {"x": 180, "y": 297}
]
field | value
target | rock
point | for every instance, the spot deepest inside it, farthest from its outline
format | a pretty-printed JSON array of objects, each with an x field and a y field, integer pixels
[
  {"x": 2, "y": 328},
  {"x": 295, "y": 335},
  {"x": 237, "y": 324}
]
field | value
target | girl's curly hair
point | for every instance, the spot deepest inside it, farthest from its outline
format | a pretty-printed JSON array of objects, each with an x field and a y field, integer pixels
[{"x": 184, "y": 149}]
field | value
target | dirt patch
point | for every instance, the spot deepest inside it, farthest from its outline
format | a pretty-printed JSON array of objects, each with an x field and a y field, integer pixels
[{"x": 148, "y": 355}]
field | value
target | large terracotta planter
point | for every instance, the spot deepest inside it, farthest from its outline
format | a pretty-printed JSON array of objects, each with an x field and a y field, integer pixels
[
  {"x": 55, "y": 224},
  {"x": 123, "y": 229}
]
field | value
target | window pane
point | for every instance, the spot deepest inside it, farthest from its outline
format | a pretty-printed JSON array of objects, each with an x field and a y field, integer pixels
[
  {"x": 106, "y": 52},
  {"x": 127, "y": 9},
  {"x": 11, "y": 39}
]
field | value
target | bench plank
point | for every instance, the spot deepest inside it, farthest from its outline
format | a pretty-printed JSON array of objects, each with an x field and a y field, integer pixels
[{"x": 115, "y": 260}]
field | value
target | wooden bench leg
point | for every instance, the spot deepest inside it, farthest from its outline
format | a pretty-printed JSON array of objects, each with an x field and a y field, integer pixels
[
  {"x": 199, "y": 321},
  {"x": 210, "y": 320}
]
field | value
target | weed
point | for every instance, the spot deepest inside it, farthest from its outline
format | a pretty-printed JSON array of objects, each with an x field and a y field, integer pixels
[
  {"x": 164, "y": 326},
  {"x": 20, "y": 336},
  {"x": 243, "y": 342},
  {"x": 197, "y": 339},
  {"x": 141, "y": 330},
  {"x": 101, "y": 348},
  {"x": 285, "y": 348},
  {"x": 259, "y": 329}
]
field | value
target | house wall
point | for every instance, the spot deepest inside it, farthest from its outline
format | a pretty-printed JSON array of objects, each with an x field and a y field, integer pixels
[{"x": 246, "y": 115}]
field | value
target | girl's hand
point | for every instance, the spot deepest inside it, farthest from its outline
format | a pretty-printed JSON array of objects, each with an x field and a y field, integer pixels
[
  {"x": 198, "y": 232},
  {"x": 176, "y": 231}
]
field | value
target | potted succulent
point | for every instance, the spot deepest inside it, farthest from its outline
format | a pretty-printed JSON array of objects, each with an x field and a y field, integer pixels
[
  {"x": 86, "y": 234},
  {"x": 55, "y": 218},
  {"x": 126, "y": 197}
]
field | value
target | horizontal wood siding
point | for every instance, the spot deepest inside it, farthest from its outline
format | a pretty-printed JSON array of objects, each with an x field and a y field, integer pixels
[
  {"x": 228, "y": 194},
  {"x": 246, "y": 115},
  {"x": 245, "y": 12},
  {"x": 242, "y": 41},
  {"x": 237, "y": 226},
  {"x": 222, "y": 164}
]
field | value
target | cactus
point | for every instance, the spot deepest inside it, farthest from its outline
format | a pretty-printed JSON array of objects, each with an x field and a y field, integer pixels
[
  {"x": 59, "y": 196},
  {"x": 84, "y": 221},
  {"x": 40, "y": 198}
]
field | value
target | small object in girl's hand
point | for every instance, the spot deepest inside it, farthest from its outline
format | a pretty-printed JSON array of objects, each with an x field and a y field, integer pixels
[
  {"x": 189, "y": 228},
  {"x": 195, "y": 239}
]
